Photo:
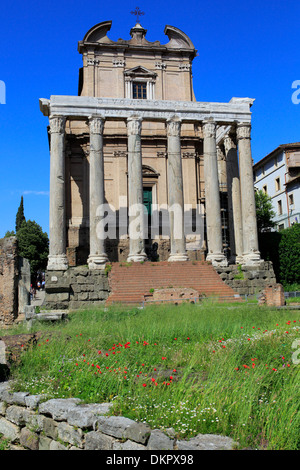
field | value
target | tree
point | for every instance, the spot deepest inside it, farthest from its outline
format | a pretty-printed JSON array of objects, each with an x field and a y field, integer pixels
[
  {"x": 264, "y": 211},
  {"x": 9, "y": 233},
  {"x": 20, "y": 217},
  {"x": 33, "y": 245}
]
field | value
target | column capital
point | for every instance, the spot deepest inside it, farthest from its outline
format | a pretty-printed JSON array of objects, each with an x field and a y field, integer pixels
[
  {"x": 173, "y": 126},
  {"x": 96, "y": 124},
  {"x": 209, "y": 128},
  {"x": 243, "y": 130},
  {"x": 57, "y": 124},
  {"x": 134, "y": 125},
  {"x": 229, "y": 143}
]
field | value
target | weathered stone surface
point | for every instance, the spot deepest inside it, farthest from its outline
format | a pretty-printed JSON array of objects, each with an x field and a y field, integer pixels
[
  {"x": 84, "y": 416},
  {"x": 69, "y": 434},
  {"x": 59, "y": 408},
  {"x": 16, "y": 398},
  {"x": 29, "y": 439},
  {"x": 50, "y": 427},
  {"x": 128, "y": 445},
  {"x": 33, "y": 421},
  {"x": 95, "y": 440},
  {"x": 159, "y": 441},
  {"x": 54, "y": 445},
  {"x": 9, "y": 430},
  {"x": 8, "y": 280},
  {"x": 32, "y": 401},
  {"x": 44, "y": 442},
  {"x": 206, "y": 442},
  {"x": 15, "y": 414},
  {"x": 124, "y": 428},
  {"x": 3, "y": 407}
]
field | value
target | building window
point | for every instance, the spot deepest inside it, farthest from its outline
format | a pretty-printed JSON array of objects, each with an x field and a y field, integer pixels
[
  {"x": 265, "y": 189},
  {"x": 291, "y": 199},
  {"x": 277, "y": 184},
  {"x": 279, "y": 207},
  {"x": 140, "y": 83},
  {"x": 280, "y": 227},
  {"x": 139, "y": 90}
]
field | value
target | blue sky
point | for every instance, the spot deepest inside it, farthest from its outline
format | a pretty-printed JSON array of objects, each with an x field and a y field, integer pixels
[{"x": 245, "y": 49}]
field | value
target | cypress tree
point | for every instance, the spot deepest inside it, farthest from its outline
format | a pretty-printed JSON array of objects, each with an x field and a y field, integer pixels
[{"x": 20, "y": 217}]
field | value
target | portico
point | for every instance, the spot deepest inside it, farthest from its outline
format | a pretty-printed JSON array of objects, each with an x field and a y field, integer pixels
[{"x": 222, "y": 124}]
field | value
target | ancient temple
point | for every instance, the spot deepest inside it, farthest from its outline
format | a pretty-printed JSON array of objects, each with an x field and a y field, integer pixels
[{"x": 141, "y": 170}]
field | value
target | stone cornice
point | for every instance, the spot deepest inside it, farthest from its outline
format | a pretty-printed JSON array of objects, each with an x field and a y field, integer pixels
[{"x": 78, "y": 107}]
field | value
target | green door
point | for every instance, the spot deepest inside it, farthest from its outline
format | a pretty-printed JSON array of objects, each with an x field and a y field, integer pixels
[{"x": 147, "y": 199}]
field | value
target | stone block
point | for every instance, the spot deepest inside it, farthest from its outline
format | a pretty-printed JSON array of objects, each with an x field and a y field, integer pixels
[
  {"x": 206, "y": 442},
  {"x": 70, "y": 434},
  {"x": 32, "y": 401},
  {"x": 58, "y": 408},
  {"x": 54, "y": 445},
  {"x": 44, "y": 442},
  {"x": 15, "y": 414},
  {"x": 9, "y": 430},
  {"x": 50, "y": 427},
  {"x": 95, "y": 440},
  {"x": 3, "y": 407},
  {"x": 123, "y": 428},
  {"x": 29, "y": 439},
  {"x": 128, "y": 445},
  {"x": 85, "y": 416},
  {"x": 159, "y": 441}
]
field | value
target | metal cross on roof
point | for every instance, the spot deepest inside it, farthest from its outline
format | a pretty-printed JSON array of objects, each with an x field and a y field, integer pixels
[{"x": 137, "y": 12}]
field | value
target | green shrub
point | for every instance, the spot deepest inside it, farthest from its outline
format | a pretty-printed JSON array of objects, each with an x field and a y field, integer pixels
[{"x": 289, "y": 255}]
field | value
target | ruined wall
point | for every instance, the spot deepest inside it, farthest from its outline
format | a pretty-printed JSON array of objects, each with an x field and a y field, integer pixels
[
  {"x": 250, "y": 280},
  {"x": 29, "y": 423},
  {"x": 9, "y": 272}
]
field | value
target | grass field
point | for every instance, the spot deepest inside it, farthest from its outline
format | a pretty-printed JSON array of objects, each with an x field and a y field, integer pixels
[{"x": 230, "y": 370}]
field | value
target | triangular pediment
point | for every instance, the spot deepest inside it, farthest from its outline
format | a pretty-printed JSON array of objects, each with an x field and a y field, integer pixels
[{"x": 140, "y": 71}]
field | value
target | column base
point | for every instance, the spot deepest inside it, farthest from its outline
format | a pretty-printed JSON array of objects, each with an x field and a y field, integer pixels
[
  {"x": 217, "y": 259},
  {"x": 137, "y": 258},
  {"x": 97, "y": 261},
  {"x": 252, "y": 259},
  {"x": 57, "y": 263},
  {"x": 239, "y": 260},
  {"x": 178, "y": 257}
]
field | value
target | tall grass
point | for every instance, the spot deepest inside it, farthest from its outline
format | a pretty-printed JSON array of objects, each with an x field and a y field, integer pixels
[{"x": 198, "y": 369}]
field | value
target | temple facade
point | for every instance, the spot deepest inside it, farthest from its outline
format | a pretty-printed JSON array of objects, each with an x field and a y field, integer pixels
[{"x": 141, "y": 170}]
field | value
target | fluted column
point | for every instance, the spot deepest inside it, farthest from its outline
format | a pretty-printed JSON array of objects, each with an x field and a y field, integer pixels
[
  {"x": 215, "y": 252},
  {"x": 135, "y": 191},
  {"x": 57, "y": 259},
  {"x": 234, "y": 201},
  {"x": 97, "y": 257},
  {"x": 175, "y": 192},
  {"x": 251, "y": 255}
]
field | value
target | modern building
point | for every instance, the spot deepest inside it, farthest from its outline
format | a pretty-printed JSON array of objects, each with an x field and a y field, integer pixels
[
  {"x": 139, "y": 166},
  {"x": 278, "y": 175}
]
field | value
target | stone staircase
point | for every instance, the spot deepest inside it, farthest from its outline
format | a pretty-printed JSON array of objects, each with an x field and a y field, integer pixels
[{"x": 131, "y": 283}]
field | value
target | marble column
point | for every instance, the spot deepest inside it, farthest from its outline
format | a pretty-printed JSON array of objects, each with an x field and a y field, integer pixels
[
  {"x": 175, "y": 192},
  {"x": 234, "y": 201},
  {"x": 136, "y": 229},
  {"x": 215, "y": 252},
  {"x": 251, "y": 255},
  {"x": 57, "y": 259},
  {"x": 97, "y": 257}
]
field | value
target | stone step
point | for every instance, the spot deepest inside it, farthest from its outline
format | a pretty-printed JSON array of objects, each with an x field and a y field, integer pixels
[{"x": 131, "y": 282}]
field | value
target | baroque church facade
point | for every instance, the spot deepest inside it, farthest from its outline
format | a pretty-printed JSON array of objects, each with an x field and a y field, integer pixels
[{"x": 141, "y": 170}]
